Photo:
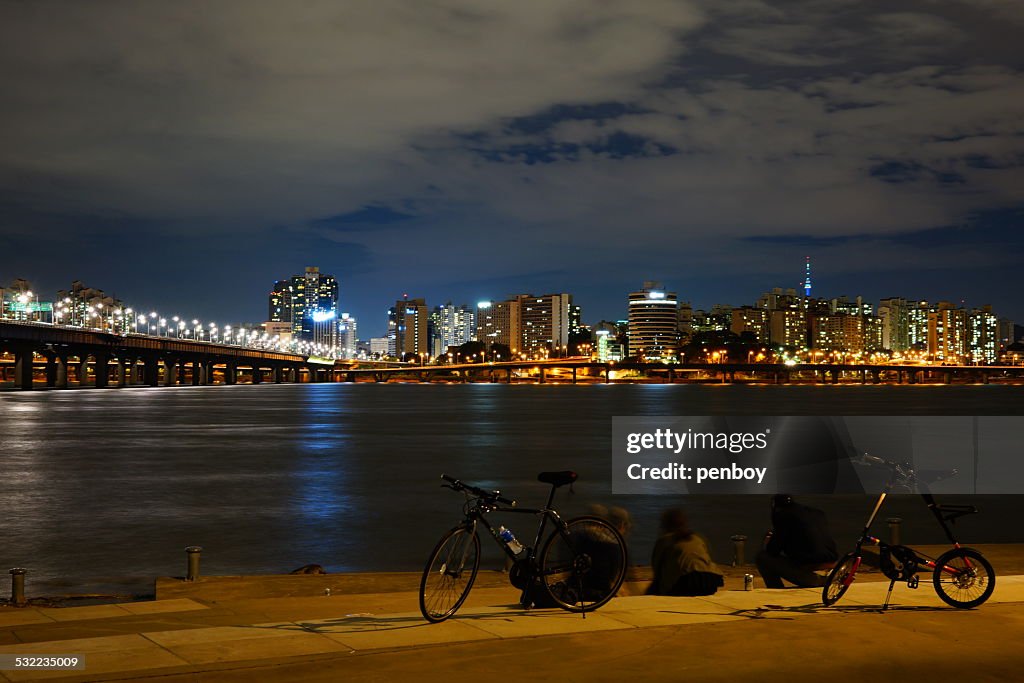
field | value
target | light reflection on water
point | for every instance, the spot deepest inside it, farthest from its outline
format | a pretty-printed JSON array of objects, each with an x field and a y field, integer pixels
[{"x": 101, "y": 484}]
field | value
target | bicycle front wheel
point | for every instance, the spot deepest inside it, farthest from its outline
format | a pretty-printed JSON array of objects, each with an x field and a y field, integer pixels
[
  {"x": 964, "y": 578},
  {"x": 839, "y": 579},
  {"x": 449, "y": 574},
  {"x": 583, "y": 565}
]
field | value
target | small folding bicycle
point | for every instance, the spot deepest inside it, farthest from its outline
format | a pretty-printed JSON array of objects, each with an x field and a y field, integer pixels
[{"x": 962, "y": 577}]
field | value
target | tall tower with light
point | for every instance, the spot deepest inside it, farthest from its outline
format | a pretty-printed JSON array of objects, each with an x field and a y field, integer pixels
[{"x": 807, "y": 278}]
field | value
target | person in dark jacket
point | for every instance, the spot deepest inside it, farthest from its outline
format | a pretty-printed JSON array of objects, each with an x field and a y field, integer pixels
[
  {"x": 681, "y": 562},
  {"x": 798, "y": 543}
]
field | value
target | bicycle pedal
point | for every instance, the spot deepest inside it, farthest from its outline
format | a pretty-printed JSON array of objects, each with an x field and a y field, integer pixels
[{"x": 912, "y": 582}]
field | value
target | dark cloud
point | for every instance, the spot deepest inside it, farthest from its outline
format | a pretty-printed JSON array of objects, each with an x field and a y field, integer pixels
[{"x": 366, "y": 218}]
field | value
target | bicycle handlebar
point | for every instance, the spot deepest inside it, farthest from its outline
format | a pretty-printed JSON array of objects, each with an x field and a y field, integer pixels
[{"x": 490, "y": 496}]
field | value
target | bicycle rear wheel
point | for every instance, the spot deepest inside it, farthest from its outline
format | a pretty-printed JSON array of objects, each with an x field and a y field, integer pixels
[
  {"x": 839, "y": 579},
  {"x": 449, "y": 574},
  {"x": 583, "y": 566},
  {"x": 963, "y": 578}
]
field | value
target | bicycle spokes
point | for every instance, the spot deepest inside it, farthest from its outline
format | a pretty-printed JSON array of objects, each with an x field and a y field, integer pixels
[{"x": 449, "y": 574}]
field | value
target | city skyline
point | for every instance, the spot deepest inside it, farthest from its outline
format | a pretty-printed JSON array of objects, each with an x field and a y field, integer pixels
[
  {"x": 385, "y": 143},
  {"x": 306, "y": 309}
]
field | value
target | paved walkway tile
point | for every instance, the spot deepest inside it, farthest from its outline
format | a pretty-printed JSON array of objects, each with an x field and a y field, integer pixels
[
  {"x": 108, "y": 654},
  {"x": 22, "y": 617},
  {"x": 241, "y": 643}
]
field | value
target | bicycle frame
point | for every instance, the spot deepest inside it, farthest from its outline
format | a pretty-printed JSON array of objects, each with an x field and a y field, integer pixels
[
  {"x": 478, "y": 515},
  {"x": 883, "y": 547}
]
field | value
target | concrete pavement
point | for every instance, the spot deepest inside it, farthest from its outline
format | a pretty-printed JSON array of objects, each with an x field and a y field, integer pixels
[{"x": 381, "y": 636}]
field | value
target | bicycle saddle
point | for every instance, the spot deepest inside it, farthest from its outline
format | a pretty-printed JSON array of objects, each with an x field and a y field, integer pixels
[{"x": 557, "y": 479}]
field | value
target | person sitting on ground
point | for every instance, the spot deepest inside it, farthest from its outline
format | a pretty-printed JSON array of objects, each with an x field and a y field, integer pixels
[
  {"x": 798, "y": 543},
  {"x": 681, "y": 562}
]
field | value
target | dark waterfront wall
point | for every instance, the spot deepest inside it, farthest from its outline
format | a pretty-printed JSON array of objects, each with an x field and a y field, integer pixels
[{"x": 108, "y": 487}]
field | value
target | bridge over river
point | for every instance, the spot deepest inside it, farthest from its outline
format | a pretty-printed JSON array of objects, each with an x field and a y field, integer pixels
[{"x": 40, "y": 355}]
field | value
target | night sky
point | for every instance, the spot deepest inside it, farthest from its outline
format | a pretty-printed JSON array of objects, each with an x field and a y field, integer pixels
[{"x": 184, "y": 155}]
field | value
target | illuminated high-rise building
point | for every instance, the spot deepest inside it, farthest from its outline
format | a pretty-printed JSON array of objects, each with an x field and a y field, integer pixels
[
  {"x": 947, "y": 333},
  {"x": 917, "y": 325},
  {"x": 347, "y": 336},
  {"x": 281, "y": 303},
  {"x": 839, "y": 332},
  {"x": 308, "y": 301},
  {"x": 894, "y": 315},
  {"x": 982, "y": 336},
  {"x": 411, "y": 326},
  {"x": 544, "y": 323},
  {"x": 788, "y": 328},
  {"x": 750, "y": 321},
  {"x": 499, "y": 322},
  {"x": 653, "y": 323},
  {"x": 608, "y": 347},
  {"x": 450, "y": 326}
]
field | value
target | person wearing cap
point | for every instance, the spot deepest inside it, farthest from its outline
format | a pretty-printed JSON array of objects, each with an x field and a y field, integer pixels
[{"x": 798, "y": 544}]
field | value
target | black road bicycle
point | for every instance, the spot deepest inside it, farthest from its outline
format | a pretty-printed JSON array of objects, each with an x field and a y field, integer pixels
[
  {"x": 962, "y": 576},
  {"x": 579, "y": 567}
]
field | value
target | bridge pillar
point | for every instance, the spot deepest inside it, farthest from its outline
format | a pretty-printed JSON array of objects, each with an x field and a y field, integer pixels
[
  {"x": 51, "y": 370},
  {"x": 947, "y": 377},
  {"x": 863, "y": 376},
  {"x": 102, "y": 370},
  {"x": 607, "y": 374},
  {"x": 61, "y": 381},
  {"x": 122, "y": 371},
  {"x": 508, "y": 376},
  {"x": 257, "y": 374},
  {"x": 278, "y": 374},
  {"x": 876, "y": 376},
  {"x": 984, "y": 378},
  {"x": 835, "y": 375},
  {"x": 170, "y": 372},
  {"x": 543, "y": 370},
  {"x": 151, "y": 370},
  {"x": 83, "y": 369},
  {"x": 197, "y": 371},
  {"x": 671, "y": 376},
  {"x": 574, "y": 375},
  {"x": 23, "y": 368},
  {"x": 230, "y": 372}
]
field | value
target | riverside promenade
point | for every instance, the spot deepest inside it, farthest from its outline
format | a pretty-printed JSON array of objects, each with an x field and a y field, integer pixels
[{"x": 287, "y": 628}]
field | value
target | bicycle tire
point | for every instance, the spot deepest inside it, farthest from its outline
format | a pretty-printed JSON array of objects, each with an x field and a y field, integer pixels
[
  {"x": 973, "y": 576},
  {"x": 583, "y": 565},
  {"x": 837, "y": 584},
  {"x": 440, "y": 592}
]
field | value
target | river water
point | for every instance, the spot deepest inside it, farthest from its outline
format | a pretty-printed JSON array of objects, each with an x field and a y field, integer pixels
[{"x": 103, "y": 489}]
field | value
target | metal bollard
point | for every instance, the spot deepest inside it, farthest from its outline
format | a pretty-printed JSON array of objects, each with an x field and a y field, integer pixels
[
  {"x": 18, "y": 586},
  {"x": 739, "y": 543},
  {"x": 894, "y": 530},
  {"x": 193, "y": 562}
]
